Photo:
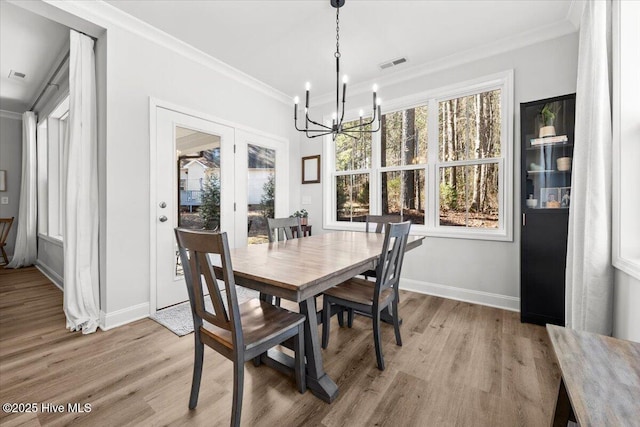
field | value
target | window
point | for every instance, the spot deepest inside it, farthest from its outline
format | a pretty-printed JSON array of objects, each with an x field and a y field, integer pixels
[
  {"x": 626, "y": 150},
  {"x": 51, "y": 137},
  {"x": 442, "y": 159}
]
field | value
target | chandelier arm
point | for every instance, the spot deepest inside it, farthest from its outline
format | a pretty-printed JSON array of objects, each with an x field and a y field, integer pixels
[
  {"x": 321, "y": 134},
  {"x": 359, "y": 125},
  {"x": 319, "y": 124}
]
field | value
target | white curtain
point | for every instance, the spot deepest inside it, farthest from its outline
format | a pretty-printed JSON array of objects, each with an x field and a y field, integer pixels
[
  {"x": 81, "y": 279},
  {"x": 26, "y": 248},
  {"x": 589, "y": 284}
]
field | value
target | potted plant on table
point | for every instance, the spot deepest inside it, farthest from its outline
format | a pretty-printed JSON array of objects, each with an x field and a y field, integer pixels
[{"x": 303, "y": 215}]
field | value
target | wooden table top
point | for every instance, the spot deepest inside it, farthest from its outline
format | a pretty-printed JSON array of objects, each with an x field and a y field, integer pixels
[
  {"x": 601, "y": 375},
  {"x": 300, "y": 268}
]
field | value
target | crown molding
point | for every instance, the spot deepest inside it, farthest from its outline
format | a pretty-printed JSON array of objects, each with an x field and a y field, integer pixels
[
  {"x": 105, "y": 15},
  {"x": 518, "y": 41},
  {"x": 5, "y": 114}
]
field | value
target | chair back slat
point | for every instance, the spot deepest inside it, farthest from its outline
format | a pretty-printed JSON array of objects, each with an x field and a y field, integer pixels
[
  {"x": 5, "y": 227},
  {"x": 391, "y": 258},
  {"x": 280, "y": 228},
  {"x": 196, "y": 249},
  {"x": 380, "y": 221}
]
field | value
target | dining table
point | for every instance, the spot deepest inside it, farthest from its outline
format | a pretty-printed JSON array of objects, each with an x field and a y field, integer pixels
[{"x": 299, "y": 269}]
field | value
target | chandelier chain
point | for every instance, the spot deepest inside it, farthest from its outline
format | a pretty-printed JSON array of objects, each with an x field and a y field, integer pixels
[{"x": 337, "y": 54}]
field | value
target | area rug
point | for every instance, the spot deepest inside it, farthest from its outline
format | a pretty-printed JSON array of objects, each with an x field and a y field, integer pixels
[{"x": 178, "y": 318}]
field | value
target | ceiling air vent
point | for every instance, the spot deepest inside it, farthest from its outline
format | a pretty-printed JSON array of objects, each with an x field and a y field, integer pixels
[
  {"x": 17, "y": 75},
  {"x": 392, "y": 63}
]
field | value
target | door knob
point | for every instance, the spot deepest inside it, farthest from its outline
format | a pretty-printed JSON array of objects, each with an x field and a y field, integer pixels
[
  {"x": 162, "y": 205},
  {"x": 163, "y": 218}
]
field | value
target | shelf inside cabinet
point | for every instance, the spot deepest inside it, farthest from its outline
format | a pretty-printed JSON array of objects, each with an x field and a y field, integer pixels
[{"x": 552, "y": 145}]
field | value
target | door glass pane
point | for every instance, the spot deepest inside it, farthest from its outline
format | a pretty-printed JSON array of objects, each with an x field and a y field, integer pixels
[
  {"x": 352, "y": 196},
  {"x": 469, "y": 196},
  {"x": 403, "y": 194},
  {"x": 198, "y": 172},
  {"x": 261, "y": 191}
]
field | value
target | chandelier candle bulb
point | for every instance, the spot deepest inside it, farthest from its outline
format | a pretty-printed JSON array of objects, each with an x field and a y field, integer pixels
[{"x": 295, "y": 108}]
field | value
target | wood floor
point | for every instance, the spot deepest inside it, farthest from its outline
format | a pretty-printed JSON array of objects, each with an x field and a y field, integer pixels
[{"x": 461, "y": 364}]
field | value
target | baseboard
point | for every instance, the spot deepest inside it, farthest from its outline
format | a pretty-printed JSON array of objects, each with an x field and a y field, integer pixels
[
  {"x": 124, "y": 316},
  {"x": 55, "y": 278},
  {"x": 467, "y": 295}
]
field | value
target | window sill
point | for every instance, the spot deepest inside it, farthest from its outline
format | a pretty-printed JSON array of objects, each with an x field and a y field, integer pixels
[
  {"x": 56, "y": 240},
  {"x": 628, "y": 266},
  {"x": 421, "y": 230}
]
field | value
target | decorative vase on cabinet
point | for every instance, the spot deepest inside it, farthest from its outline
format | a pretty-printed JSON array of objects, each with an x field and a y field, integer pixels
[{"x": 547, "y": 140}]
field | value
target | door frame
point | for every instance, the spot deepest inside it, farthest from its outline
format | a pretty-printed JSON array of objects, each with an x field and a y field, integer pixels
[{"x": 154, "y": 104}]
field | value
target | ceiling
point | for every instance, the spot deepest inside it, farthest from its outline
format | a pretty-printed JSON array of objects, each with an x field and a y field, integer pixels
[
  {"x": 32, "y": 45},
  {"x": 285, "y": 43}
]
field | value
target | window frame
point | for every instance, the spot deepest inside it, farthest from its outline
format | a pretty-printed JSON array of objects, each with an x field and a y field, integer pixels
[
  {"x": 51, "y": 172},
  {"x": 431, "y": 98},
  {"x": 625, "y": 247}
]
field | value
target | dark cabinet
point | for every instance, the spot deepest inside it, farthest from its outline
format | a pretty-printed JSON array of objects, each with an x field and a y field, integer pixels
[{"x": 547, "y": 140}]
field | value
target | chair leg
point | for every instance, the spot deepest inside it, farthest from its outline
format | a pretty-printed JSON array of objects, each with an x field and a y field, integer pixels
[
  {"x": 340, "y": 315},
  {"x": 197, "y": 374},
  {"x": 377, "y": 340},
  {"x": 350, "y": 316},
  {"x": 396, "y": 322},
  {"x": 300, "y": 369},
  {"x": 326, "y": 321},
  {"x": 238, "y": 385}
]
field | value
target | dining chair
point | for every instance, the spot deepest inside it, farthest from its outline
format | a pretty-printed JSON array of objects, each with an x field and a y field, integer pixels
[
  {"x": 373, "y": 297},
  {"x": 280, "y": 228},
  {"x": 239, "y": 332},
  {"x": 379, "y": 221},
  {"x": 5, "y": 227}
]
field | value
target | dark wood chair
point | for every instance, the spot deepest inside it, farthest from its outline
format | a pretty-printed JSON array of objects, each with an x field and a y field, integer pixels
[
  {"x": 379, "y": 221},
  {"x": 280, "y": 228},
  {"x": 373, "y": 297},
  {"x": 238, "y": 332},
  {"x": 5, "y": 227}
]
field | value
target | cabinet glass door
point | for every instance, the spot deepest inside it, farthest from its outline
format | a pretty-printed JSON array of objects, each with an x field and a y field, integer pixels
[{"x": 548, "y": 140}]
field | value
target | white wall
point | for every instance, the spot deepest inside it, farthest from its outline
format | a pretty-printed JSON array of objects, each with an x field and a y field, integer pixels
[
  {"x": 487, "y": 272},
  {"x": 626, "y": 307},
  {"x": 11, "y": 161}
]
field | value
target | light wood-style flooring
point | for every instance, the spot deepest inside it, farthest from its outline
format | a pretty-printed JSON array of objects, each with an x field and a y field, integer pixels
[{"x": 461, "y": 364}]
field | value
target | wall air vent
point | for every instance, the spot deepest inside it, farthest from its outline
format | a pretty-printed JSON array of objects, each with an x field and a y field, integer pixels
[
  {"x": 17, "y": 75},
  {"x": 392, "y": 63}
]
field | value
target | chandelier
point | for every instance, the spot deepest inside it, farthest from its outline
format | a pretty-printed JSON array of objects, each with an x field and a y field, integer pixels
[{"x": 314, "y": 129}]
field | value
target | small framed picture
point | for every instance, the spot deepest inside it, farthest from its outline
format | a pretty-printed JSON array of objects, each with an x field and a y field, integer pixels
[
  {"x": 550, "y": 197},
  {"x": 311, "y": 169},
  {"x": 564, "y": 196}
]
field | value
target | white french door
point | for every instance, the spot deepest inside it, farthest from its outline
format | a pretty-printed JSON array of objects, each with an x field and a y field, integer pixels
[
  {"x": 214, "y": 176},
  {"x": 194, "y": 172}
]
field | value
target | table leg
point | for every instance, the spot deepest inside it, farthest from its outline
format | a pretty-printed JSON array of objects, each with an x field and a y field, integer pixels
[
  {"x": 320, "y": 384},
  {"x": 563, "y": 411}
]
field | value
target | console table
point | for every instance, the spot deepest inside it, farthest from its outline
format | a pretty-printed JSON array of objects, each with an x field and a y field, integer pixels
[{"x": 600, "y": 382}]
